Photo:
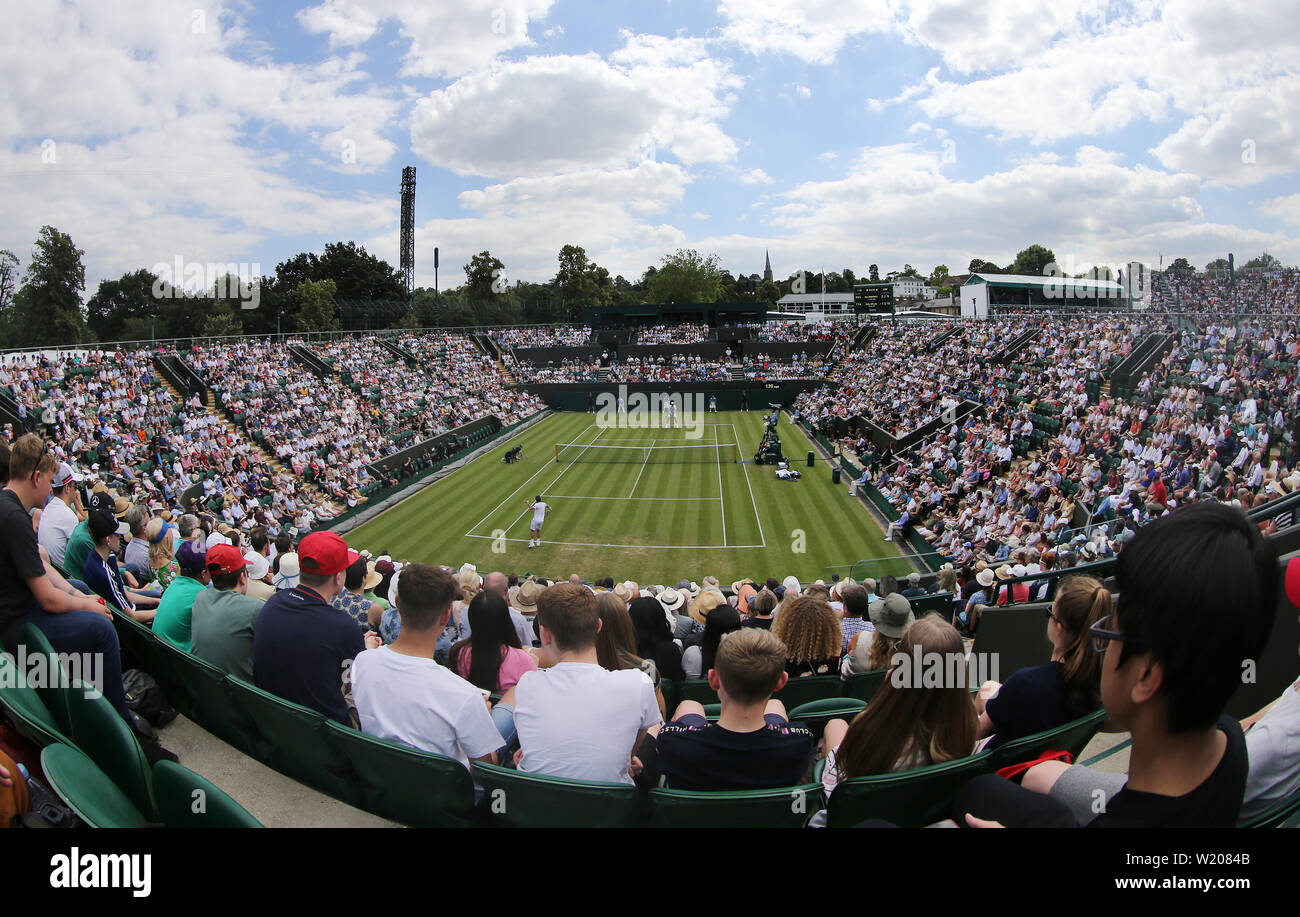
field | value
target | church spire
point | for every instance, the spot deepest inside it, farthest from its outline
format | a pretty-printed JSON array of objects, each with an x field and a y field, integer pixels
[{"x": 767, "y": 266}]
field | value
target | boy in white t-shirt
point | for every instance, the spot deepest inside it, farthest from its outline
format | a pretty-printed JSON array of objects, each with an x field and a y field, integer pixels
[
  {"x": 404, "y": 696},
  {"x": 576, "y": 719}
]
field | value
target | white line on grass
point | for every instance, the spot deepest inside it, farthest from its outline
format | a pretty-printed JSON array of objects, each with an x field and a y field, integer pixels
[
  {"x": 751, "y": 489},
  {"x": 721, "y": 499},
  {"x": 588, "y": 497},
  {"x": 545, "y": 465},
  {"x": 642, "y": 471},
  {"x": 665, "y": 547}
]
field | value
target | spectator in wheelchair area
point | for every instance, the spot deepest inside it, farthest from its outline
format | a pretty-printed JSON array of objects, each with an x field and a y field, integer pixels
[{"x": 1173, "y": 653}]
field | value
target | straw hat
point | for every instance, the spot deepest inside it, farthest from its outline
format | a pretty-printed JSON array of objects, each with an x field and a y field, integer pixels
[
  {"x": 373, "y": 577},
  {"x": 526, "y": 596}
]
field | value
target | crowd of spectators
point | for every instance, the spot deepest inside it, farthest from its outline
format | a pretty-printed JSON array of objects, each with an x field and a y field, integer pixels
[
  {"x": 681, "y": 333},
  {"x": 543, "y": 336},
  {"x": 1213, "y": 292}
]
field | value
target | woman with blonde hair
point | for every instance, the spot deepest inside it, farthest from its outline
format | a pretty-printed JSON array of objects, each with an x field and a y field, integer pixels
[
  {"x": 811, "y": 632},
  {"x": 906, "y": 725},
  {"x": 1050, "y": 695},
  {"x": 162, "y": 550}
]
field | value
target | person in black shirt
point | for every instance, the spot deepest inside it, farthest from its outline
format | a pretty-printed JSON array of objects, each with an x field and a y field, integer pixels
[
  {"x": 71, "y": 621},
  {"x": 752, "y": 745},
  {"x": 1173, "y": 653}
]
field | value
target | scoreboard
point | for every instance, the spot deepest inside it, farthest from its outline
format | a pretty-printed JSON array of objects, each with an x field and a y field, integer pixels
[{"x": 877, "y": 298}]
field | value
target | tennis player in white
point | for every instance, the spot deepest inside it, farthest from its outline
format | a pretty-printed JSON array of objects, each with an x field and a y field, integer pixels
[
  {"x": 540, "y": 510},
  {"x": 672, "y": 413}
]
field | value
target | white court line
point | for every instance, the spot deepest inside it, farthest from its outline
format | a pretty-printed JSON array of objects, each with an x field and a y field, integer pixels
[
  {"x": 671, "y": 499},
  {"x": 642, "y": 471},
  {"x": 665, "y": 547},
  {"x": 751, "y": 489},
  {"x": 545, "y": 465},
  {"x": 721, "y": 500}
]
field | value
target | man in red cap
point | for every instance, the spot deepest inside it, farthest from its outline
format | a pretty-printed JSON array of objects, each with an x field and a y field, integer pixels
[
  {"x": 303, "y": 646},
  {"x": 224, "y": 616}
]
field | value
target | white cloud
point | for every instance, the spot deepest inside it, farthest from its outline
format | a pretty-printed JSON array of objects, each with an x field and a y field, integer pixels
[
  {"x": 442, "y": 39},
  {"x": 755, "y": 177},
  {"x": 803, "y": 92},
  {"x": 613, "y": 213},
  {"x": 563, "y": 112},
  {"x": 698, "y": 215},
  {"x": 827, "y": 156}
]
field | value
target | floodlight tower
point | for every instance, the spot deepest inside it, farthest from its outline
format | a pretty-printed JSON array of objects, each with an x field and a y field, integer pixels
[{"x": 408, "y": 233}]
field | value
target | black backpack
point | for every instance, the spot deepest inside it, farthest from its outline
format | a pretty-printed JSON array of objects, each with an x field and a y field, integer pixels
[{"x": 146, "y": 699}]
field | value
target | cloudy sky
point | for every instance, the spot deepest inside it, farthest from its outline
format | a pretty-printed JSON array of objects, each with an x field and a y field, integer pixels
[{"x": 834, "y": 133}]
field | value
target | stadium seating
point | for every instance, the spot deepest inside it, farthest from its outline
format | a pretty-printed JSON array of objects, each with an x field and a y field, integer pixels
[
  {"x": 789, "y": 807},
  {"x": 88, "y": 791},
  {"x": 911, "y": 799},
  {"x": 99, "y": 731},
  {"x": 517, "y": 800},
  {"x": 186, "y": 800}
]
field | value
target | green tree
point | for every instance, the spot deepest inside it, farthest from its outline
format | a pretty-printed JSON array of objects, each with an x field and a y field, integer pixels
[
  {"x": 768, "y": 292},
  {"x": 980, "y": 266},
  {"x": 1264, "y": 262},
  {"x": 313, "y": 302},
  {"x": 49, "y": 310},
  {"x": 222, "y": 323},
  {"x": 371, "y": 286},
  {"x": 116, "y": 301},
  {"x": 1218, "y": 264},
  {"x": 1032, "y": 261},
  {"x": 685, "y": 277},
  {"x": 9, "y": 274},
  {"x": 874, "y": 273},
  {"x": 581, "y": 283},
  {"x": 1182, "y": 267},
  {"x": 485, "y": 279}
]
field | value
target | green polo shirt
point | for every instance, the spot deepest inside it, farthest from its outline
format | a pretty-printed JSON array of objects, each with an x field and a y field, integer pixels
[
  {"x": 175, "y": 610},
  {"x": 223, "y": 622},
  {"x": 80, "y": 546}
]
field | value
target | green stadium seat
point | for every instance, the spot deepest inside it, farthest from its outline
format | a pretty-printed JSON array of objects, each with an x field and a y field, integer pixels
[
  {"x": 816, "y": 714},
  {"x": 99, "y": 731},
  {"x": 1283, "y": 814},
  {"x": 787, "y": 807},
  {"x": 810, "y": 688},
  {"x": 88, "y": 791},
  {"x": 911, "y": 799},
  {"x": 294, "y": 740},
  {"x": 180, "y": 792},
  {"x": 28, "y": 712},
  {"x": 518, "y": 800},
  {"x": 1072, "y": 737},
  {"x": 405, "y": 784},
  {"x": 209, "y": 699},
  {"x": 696, "y": 689},
  {"x": 864, "y": 685},
  {"x": 35, "y": 640}
]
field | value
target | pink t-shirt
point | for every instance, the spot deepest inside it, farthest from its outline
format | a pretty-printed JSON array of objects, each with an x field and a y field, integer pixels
[{"x": 514, "y": 664}]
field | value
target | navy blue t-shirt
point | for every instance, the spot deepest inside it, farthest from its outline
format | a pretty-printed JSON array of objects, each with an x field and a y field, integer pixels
[
  {"x": 1031, "y": 701},
  {"x": 695, "y": 754},
  {"x": 300, "y": 646}
]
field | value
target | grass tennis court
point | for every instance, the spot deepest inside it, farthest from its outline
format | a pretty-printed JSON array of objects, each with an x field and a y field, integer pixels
[{"x": 650, "y": 505}]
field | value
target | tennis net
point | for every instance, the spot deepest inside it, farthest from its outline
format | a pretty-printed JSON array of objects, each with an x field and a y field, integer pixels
[{"x": 648, "y": 455}]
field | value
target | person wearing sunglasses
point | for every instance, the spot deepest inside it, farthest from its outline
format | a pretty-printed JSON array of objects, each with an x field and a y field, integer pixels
[{"x": 1198, "y": 593}]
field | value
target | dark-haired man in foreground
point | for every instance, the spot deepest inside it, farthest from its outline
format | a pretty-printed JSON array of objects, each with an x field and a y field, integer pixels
[{"x": 1174, "y": 657}]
